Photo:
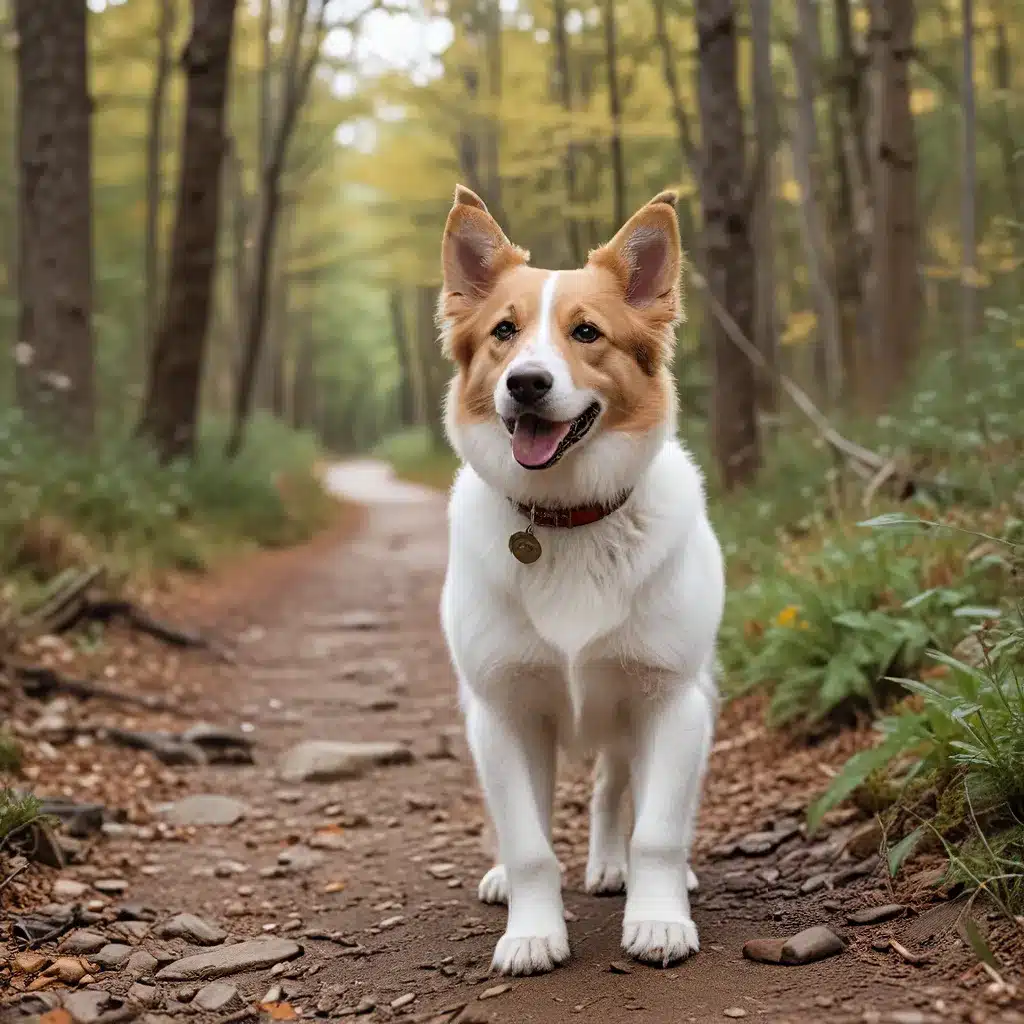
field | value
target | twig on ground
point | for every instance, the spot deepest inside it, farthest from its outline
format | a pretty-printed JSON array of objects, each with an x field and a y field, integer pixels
[
  {"x": 39, "y": 682},
  {"x": 914, "y": 959}
]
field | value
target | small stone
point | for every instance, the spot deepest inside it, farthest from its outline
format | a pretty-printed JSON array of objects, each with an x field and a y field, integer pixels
[
  {"x": 87, "y": 1005},
  {"x": 192, "y": 929},
  {"x": 328, "y": 839},
  {"x": 876, "y": 915},
  {"x": 205, "y": 809},
  {"x": 132, "y": 930},
  {"x": 140, "y": 963},
  {"x": 114, "y": 954},
  {"x": 110, "y": 886},
  {"x": 494, "y": 991},
  {"x": 906, "y": 1017},
  {"x": 68, "y": 889},
  {"x": 814, "y": 883},
  {"x": 135, "y": 912},
  {"x": 442, "y": 871},
  {"x": 735, "y": 1012},
  {"x": 274, "y": 994},
  {"x": 330, "y": 761},
  {"x": 253, "y": 955},
  {"x": 300, "y": 858},
  {"x": 812, "y": 944},
  {"x": 757, "y": 843},
  {"x": 144, "y": 995},
  {"x": 764, "y": 951},
  {"x": 405, "y": 1000},
  {"x": 618, "y": 967},
  {"x": 83, "y": 941},
  {"x": 865, "y": 839},
  {"x": 29, "y": 963},
  {"x": 216, "y": 996}
]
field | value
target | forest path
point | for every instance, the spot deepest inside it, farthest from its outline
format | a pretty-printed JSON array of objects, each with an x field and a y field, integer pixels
[{"x": 375, "y": 875}]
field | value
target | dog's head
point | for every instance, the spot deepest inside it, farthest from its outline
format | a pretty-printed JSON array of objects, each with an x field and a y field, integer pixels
[{"x": 563, "y": 390}]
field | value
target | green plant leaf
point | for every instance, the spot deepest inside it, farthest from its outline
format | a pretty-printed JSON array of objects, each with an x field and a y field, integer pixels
[
  {"x": 891, "y": 519},
  {"x": 977, "y": 942},
  {"x": 904, "y": 848}
]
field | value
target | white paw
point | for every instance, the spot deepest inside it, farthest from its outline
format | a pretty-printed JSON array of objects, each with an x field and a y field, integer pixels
[
  {"x": 531, "y": 954},
  {"x": 493, "y": 886},
  {"x": 660, "y": 942},
  {"x": 692, "y": 885},
  {"x": 605, "y": 878}
]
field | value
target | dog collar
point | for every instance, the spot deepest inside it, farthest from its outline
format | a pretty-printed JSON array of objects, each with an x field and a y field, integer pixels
[{"x": 525, "y": 546}]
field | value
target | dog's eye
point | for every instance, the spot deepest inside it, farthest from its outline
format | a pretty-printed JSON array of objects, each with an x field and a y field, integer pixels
[
  {"x": 504, "y": 330},
  {"x": 586, "y": 333}
]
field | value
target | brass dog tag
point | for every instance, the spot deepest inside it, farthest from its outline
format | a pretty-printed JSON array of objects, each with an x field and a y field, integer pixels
[{"x": 525, "y": 546}]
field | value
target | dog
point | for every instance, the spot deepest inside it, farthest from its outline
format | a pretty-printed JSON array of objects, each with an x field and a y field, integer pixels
[{"x": 585, "y": 585}]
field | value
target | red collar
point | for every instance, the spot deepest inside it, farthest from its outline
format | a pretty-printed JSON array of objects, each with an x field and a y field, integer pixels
[{"x": 580, "y": 515}]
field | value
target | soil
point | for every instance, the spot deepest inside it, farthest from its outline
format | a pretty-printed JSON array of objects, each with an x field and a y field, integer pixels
[{"x": 340, "y": 641}]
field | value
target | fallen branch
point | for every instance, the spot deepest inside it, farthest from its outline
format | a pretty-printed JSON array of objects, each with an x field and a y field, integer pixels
[
  {"x": 40, "y": 683},
  {"x": 863, "y": 461},
  {"x": 61, "y": 604},
  {"x": 107, "y": 609}
]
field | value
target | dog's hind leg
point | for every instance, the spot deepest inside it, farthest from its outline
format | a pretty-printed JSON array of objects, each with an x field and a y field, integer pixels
[
  {"x": 607, "y": 858},
  {"x": 515, "y": 759}
]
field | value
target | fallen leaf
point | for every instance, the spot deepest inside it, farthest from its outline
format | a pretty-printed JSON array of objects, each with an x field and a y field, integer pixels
[
  {"x": 334, "y": 887},
  {"x": 280, "y": 1011}
]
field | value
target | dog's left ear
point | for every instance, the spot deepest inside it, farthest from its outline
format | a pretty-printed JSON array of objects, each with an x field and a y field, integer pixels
[{"x": 646, "y": 256}]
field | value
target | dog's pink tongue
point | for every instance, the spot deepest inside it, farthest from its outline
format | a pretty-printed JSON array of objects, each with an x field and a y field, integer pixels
[{"x": 536, "y": 440}]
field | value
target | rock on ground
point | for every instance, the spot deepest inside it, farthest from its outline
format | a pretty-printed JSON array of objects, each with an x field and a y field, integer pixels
[
  {"x": 243, "y": 956},
  {"x": 205, "y": 809},
  {"x": 216, "y": 996},
  {"x": 812, "y": 944},
  {"x": 193, "y": 929},
  {"x": 329, "y": 761}
]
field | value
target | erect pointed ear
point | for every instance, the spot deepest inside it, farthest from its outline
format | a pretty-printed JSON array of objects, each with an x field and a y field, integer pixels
[
  {"x": 474, "y": 251},
  {"x": 645, "y": 254}
]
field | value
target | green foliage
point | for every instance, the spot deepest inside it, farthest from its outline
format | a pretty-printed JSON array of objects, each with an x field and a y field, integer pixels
[
  {"x": 10, "y": 753},
  {"x": 416, "y": 457},
  {"x": 15, "y": 813},
  {"x": 956, "y": 755},
  {"x": 117, "y": 505}
]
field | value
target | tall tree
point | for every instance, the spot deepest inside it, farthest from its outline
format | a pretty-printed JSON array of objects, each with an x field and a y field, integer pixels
[
  {"x": 766, "y": 336},
  {"x": 615, "y": 149},
  {"x": 729, "y": 252},
  {"x": 154, "y": 152},
  {"x": 968, "y": 182},
  {"x": 304, "y": 32},
  {"x": 54, "y": 352},
  {"x": 895, "y": 287},
  {"x": 171, "y": 410},
  {"x": 563, "y": 89}
]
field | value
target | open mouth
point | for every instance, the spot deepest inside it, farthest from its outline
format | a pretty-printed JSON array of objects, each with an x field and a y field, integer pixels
[{"x": 538, "y": 443}]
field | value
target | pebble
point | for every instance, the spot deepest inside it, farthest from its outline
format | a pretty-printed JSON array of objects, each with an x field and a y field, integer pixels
[
  {"x": 330, "y": 761},
  {"x": 618, "y": 967},
  {"x": 494, "y": 991},
  {"x": 218, "y": 995},
  {"x": 68, "y": 889},
  {"x": 87, "y": 1005},
  {"x": 876, "y": 915},
  {"x": 29, "y": 963},
  {"x": 764, "y": 951},
  {"x": 812, "y": 944},
  {"x": 204, "y": 809},
  {"x": 404, "y": 1000},
  {"x": 814, "y": 883},
  {"x": 192, "y": 929},
  {"x": 110, "y": 886},
  {"x": 735, "y": 1012},
  {"x": 141, "y": 963},
  {"x": 441, "y": 871},
  {"x": 906, "y": 1017},
  {"x": 300, "y": 858},
  {"x": 255, "y": 954},
  {"x": 144, "y": 995},
  {"x": 83, "y": 941},
  {"x": 114, "y": 954}
]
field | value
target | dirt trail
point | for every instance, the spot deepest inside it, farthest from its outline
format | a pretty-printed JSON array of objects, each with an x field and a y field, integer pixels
[{"x": 387, "y": 863}]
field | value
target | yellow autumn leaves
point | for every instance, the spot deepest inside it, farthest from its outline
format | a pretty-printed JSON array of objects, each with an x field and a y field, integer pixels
[{"x": 789, "y": 618}]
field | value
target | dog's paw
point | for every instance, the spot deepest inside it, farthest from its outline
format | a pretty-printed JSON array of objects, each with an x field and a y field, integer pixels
[
  {"x": 493, "y": 886},
  {"x": 692, "y": 885},
  {"x": 606, "y": 878},
  {"x": 660, "y": 942},
  {"x": 530, "y": 954}
]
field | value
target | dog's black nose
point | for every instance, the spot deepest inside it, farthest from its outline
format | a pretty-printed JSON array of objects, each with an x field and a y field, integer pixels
[{"x": 530, "y": 384}]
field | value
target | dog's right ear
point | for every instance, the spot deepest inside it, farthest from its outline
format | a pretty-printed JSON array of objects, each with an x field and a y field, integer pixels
[{"x": 475, "y": 251}]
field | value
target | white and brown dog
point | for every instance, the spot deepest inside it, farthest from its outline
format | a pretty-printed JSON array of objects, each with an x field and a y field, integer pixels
[{"x": 585, "y": 584}]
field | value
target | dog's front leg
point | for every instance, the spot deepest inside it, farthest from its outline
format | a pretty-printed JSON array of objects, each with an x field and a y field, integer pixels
[
  {"x": 668, "y": 770},
  {"x": 515, "y": 758}
]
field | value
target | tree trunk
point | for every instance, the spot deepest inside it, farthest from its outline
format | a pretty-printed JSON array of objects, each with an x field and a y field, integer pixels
[
  {"x": 766, "y": 336},
  {"x": 406, "y": 392},
  {"x": 154, "y": 151},
  {"x": 806, "y": 163},
  {"x": 54, "y": 355},
  {"x": 618, "y": 159},
  {"x": 171, "y": 412},
  {"x": 895, "y": 288},
  {"x": 850, "y": 63},
  {"x": 563, "y": 83},
  {"x": 728, "y": 248},
  {"x": 968, "y": 184},
  {"x": 492, "y": 133},
  {"x": 1007, "y": 145},
  {"x": 435, "y": 368}
]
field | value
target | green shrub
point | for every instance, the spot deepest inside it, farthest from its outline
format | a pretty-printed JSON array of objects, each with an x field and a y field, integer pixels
[
  {"x": 15, "y": 812},
  {"x": 10, "y": 753}
]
